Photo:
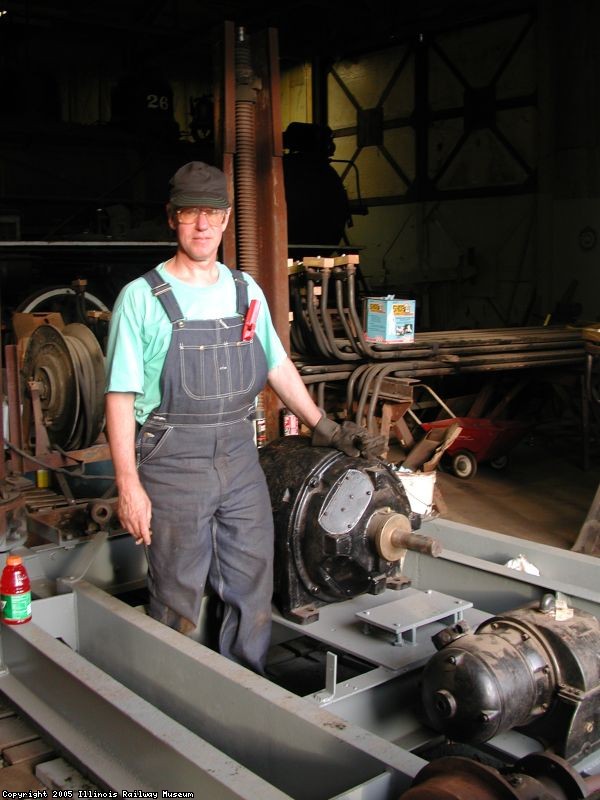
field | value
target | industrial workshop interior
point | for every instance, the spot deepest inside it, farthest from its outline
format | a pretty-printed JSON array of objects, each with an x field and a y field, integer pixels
[{"x": 415, "y": 187}]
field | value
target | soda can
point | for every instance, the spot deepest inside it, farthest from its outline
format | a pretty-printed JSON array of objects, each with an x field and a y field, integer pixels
[
  {"x": 42, "y": 478},
  {"x": 290, "y": 423},
  {"x": 260, "y": 427}
]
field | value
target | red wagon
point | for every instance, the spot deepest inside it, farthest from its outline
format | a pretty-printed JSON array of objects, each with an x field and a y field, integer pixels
[{"x": 480, "y": 440}]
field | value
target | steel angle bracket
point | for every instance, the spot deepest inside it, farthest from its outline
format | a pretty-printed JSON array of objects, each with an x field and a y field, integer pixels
[{"x": 82, "y": 563}]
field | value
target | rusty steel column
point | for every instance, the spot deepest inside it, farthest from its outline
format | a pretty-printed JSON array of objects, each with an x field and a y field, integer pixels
[
  {"x": 264, "y": 189},
  {"x": 271, "y": 204},
  {"x": 272, "y": 209},
  {"x": 249, "y": 146}
]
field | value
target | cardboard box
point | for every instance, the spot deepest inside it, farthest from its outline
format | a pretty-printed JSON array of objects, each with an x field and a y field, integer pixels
[{"x": 389, "y": 320}]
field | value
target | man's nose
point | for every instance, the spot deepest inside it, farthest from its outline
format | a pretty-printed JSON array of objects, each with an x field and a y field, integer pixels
[{"x": 202, "y": 222}]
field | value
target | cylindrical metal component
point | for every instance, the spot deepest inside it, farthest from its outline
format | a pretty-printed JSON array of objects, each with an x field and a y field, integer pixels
[
  {"x": 42, "y": 478},
  {"x": 528, "y": 669},
  {"x": 418, "y": 543},
  {"x": 246, "y": 188},
  {"x": 492, "y": 681},
  {"x": 541, "y": 775},
  {"x": 335, "y": 517},
  {"x": 102, "y": 511},
  {"x": 387, "y": 528},
  {"x": 392, "y": 535}
]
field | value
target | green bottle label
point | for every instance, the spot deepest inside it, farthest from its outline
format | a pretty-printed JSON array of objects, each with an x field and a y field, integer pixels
[{"x": 16, "y": 606}]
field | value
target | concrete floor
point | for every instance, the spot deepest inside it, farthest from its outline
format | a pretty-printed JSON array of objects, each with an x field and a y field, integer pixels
[{"x": 543, "y": 494}]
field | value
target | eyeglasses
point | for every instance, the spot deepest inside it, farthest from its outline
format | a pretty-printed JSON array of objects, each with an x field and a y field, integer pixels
[{"x": 214, "y": 216}]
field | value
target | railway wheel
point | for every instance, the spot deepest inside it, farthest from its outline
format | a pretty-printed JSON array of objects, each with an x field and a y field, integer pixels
[{"x": 61, "y": 299}]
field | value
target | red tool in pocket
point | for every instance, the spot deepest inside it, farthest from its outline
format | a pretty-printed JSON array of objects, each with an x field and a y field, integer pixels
[{"x": 249, "y": 328}]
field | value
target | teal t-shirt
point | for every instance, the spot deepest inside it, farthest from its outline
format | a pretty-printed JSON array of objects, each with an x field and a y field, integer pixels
[{"x": 140, "y": 331}]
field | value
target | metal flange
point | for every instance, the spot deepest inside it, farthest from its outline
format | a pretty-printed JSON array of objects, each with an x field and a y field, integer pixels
[
  {"x": 48, "y": 362},
  {"x": 89, "y": 360}
]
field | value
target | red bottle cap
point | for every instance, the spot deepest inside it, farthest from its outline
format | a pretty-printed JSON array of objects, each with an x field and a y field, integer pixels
[{"x": 14, "y": 561}]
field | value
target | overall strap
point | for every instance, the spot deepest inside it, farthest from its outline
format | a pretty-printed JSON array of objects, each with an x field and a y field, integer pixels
[
  {"x": 164, "y": 293},
  {"x": 241, "y": 292}
]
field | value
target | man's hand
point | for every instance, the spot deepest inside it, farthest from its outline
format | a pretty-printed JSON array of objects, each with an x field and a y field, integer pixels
[
  {"x": 134, "y": 507},
  {"x": 135, "y": 511},
  {"x": 350, "y": 438}
]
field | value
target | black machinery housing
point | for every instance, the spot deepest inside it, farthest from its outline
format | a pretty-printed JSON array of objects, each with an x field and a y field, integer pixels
[
  {"x": 341, "y": 525},
  {"x": 536, "y": 669}
]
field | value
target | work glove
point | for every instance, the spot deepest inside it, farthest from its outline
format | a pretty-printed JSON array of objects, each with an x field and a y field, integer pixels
[{"x": 349, "y": 438}]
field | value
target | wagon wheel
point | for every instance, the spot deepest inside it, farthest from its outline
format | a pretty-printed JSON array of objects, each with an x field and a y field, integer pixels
[
  {"x": 500, "y": 462},
  {"x": 464, "y": 464}
]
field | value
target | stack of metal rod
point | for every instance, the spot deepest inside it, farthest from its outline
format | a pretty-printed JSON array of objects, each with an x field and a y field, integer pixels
[{"x": 328, "y": 337}]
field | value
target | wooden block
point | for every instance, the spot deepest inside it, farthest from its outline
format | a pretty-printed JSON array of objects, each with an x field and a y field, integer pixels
[
  {"x": 25, "y": 324},
  {"x": 318, "y": 261},
  {"x": 341, "y": 261},
  {"x": 18, "y": 779},
  {"x": 29, "y": 753},
  {"x": 591, "y": 333},
  {"x": 15, "y": 731}
]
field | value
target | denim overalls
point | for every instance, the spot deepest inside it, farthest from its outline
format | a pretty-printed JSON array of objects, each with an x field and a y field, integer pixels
[{"x": 198, "y": 462}]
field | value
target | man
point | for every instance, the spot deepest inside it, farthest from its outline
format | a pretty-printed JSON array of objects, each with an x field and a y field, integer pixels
[{"x": 181, "y": 389}]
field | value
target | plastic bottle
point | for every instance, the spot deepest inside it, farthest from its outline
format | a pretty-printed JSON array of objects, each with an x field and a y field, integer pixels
[{"x": 15, "y": 592}]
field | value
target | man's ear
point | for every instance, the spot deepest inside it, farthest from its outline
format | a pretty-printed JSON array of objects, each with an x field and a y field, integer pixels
[
  {"x": 171, "y": 217},
  {"x": 227, "y": 216}
]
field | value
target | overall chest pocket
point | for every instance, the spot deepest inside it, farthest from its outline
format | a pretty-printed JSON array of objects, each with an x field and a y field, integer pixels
[{"x": 210, "y": 372}]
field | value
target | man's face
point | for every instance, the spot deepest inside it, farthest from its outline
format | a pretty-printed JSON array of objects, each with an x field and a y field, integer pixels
[{"x": 199, "y": 231}]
